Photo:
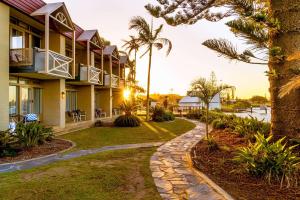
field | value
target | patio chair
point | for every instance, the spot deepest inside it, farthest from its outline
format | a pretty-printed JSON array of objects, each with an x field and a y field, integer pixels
[
  {"x": 31, "y": 117},
  {"x": 81, "y": 115},
  {"x": 73, "y": 115},
  {"x": 99, "y": 113},
  {"x": 116, "y": 111}
]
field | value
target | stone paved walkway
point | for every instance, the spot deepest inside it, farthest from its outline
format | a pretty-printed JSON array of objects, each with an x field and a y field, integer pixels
[
  {"x": 172, "y": 171},
  {"x": 57, "y": 157}
]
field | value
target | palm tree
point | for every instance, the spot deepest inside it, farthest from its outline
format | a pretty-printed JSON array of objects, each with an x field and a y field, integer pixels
[
  {"x": 148, "y": 37},
  {"x": 206, "y": 90},
  {"x": 130, "y": 46}
]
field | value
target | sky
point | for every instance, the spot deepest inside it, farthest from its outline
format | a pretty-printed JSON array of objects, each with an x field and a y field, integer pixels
[{"x": 188, "y": 60}]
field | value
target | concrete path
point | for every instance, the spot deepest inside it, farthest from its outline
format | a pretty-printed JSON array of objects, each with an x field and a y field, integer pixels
[
  {"x": 27, "y": 164},
  {"x": 174, "y": 175}
]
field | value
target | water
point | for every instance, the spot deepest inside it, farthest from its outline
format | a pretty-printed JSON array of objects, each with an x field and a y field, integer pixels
[{"x": 257, "y": 113}]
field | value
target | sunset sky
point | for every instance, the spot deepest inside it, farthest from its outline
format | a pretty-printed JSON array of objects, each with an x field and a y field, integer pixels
[{"x": 188, "y": 59}]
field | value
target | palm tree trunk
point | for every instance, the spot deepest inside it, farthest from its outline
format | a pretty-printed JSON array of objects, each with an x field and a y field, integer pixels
[
  {"x": 134, "y": 74},
  {"x": 148, "y": 84},
  {"x": 206, "y": 121},
  {"x": 286, "y": 111}
]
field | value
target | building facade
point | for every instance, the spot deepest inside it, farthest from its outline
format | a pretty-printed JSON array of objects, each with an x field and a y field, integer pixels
[{"x": 51, "y": 67}]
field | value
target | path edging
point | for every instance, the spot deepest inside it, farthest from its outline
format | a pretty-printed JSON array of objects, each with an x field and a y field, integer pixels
[{"x": 42, "y": 157}]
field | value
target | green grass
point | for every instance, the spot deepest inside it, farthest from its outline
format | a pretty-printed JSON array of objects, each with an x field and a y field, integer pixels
[
  {"x": 148, "y": 132},
  {"x": 110, "y": 175}
]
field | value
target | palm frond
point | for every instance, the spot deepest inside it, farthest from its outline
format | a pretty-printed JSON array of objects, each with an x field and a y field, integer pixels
[
  {"x": 165, "y": 42},
  {"x": 139, "y": 24},
  {"x": 292, "y": 85}
]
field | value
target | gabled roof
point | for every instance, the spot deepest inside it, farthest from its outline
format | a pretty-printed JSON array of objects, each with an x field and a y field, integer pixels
[
  {"x": 109, "y": 50},
  {"x": 49, "y": 8},
  {"x": 123, "y": 59},
  {"x": 188, "y": 99},
  {"x": 87, "y": 35}
]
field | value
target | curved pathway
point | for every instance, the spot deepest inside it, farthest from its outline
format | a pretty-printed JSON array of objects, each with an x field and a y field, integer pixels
[
  {"x": 27, "y": 164},
  {"x": 174, "y": 175}
]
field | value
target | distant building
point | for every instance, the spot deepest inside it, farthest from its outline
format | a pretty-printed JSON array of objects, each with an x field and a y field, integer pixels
[{"x": 192, "y": 103}]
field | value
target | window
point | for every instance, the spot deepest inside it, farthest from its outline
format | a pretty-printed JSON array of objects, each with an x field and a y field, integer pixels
[
  {"x": 17, "y": 39},
  {"x": 13, "y": 100},
  {"x": 71, "y": 100}
]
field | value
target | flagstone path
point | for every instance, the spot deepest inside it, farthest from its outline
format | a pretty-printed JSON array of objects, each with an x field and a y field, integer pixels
[
  {"x": 27, "y": 164},
  {"x": 174, "y": 175}
]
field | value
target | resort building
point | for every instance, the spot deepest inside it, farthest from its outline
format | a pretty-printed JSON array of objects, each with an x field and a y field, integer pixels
[{"x": 52, "y": 68}]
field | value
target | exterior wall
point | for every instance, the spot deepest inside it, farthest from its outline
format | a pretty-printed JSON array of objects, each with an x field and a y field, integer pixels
[
  {"x": 117, "y": 99},
  {"x": 54, "y": 105},
  {"x": 86, "y": 101},
  {"x": 57, "y": 43},
  {"x": 4, "y": 66},
  {"x": 104, "y": 101}
]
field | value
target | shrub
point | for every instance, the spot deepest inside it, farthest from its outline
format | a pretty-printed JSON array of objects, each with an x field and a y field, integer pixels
[
  {"x": 98, "y": 123},
  {"x": 194, "y": 114},
  {"x": 219, "y": 124},
  {"x": 32, "y": 134},
  {"x": 274, "y": 161},
  {"x": 127, "y": 121},
  {"x": 160, "y": 115},
  {"x": 212, "y": 144},
  {"x": 6, "y": 142}
]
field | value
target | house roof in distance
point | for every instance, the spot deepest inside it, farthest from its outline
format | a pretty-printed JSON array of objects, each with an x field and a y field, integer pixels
[{"x": 188, "y": 99}]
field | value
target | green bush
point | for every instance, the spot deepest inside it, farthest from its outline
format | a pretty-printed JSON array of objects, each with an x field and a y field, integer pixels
[
  {"x": 194, "y": 114},
  {"x": 160, "y": 115},
  {"x": 98, "y": 123},
  {"x": 7, "y": 141},
  {"x": 127, "y": 121},
  {"x": 219, "y": 124},
  {"x": 274, "y": 161},
  {"x": 212, "y": 144},
  {"x": 32, "y": 134}
]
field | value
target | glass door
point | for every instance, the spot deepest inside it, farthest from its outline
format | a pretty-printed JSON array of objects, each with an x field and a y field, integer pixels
[{"x": 26, "y": 100}]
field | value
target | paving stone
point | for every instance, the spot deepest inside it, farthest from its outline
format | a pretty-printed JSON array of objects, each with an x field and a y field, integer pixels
[{"x": 179, "y": 181}]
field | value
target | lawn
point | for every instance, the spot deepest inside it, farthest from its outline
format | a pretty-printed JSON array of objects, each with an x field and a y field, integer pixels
[
  {"x": 148, "y": 132},
  {"x": 109, "y": 175}
]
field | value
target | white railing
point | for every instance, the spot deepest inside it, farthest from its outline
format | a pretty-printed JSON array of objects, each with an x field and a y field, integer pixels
[
  {"x": 94, "y": 75},
  {"x": 114, "y": 80},
  {"x": 59, "y": 65}
]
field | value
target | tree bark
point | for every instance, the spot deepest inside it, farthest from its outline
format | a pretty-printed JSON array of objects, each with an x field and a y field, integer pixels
[
  {"x": 148, "y": 84},
  {"x": 285, "y": 111},
  {"x": 206, "y": 121}
]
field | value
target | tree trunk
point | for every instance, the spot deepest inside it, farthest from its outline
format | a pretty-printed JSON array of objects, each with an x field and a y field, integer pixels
[
  {"x": 206, "y": 121},
  {"x": 148, "y": 84},
  {"x": 285, "y": 111}
]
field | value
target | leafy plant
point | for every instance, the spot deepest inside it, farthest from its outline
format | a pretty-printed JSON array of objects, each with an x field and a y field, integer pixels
[
  {"x": 212, "y": 144},
  {"x": 32, "y": 134},
  {"x": 127, "y": 121},
  {"x": 7, "y": 140},
  {"x": 273, "y": 160},
  {"x": 128, "y": 107},
  {"x": 160, "y": 115}
]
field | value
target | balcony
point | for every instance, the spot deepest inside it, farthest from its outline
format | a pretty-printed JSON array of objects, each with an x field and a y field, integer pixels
[
  {"x": 114, "y": 80},
  {"x": 90, "y": 74},
  {"x": 27, "y": 60}
]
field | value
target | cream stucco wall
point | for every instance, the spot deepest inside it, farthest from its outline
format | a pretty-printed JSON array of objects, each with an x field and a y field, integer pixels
[
  {"x": 57, "y": 43},
  {"x": 104, "y": 101},
  {"x": 54, "y": 105},
  {"x": 4, "y": 66},
  {"x": 86, "y": 101}
]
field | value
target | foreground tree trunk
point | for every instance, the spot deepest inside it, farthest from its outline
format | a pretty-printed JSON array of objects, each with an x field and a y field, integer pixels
[
  {"x": 206, "y": 121},
  {"x": 148, "y": 84},
  {"x": 285, "y": 111}
]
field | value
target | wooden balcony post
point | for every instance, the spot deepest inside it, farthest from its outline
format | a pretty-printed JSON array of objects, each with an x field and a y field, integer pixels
[
  {"x": 88, "y": 57},
  {"x": 102, "y": 66},
  {"x": 110, "y": 70},
  {"x": 73, "y": 53},
  {"x": 47, "y": 43}
]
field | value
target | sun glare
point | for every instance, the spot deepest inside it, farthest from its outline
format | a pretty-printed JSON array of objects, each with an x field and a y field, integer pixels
[{"x": 126, "y": 94}]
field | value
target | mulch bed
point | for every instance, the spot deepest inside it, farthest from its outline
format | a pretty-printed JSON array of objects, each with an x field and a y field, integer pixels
[
  {"x": 219, "y": 167},
  {"x": 47, "y": 148}
]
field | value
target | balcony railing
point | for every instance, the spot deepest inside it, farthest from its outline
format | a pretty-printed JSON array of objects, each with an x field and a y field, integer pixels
[
  {"x": 59, "y": 65},
  {"x": 114, "y": 81},
  {"x": 21, "y": 57},
  {"x": 90, "y": 74}
]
